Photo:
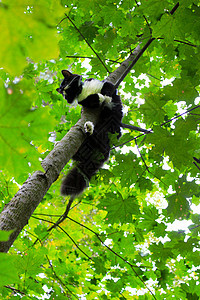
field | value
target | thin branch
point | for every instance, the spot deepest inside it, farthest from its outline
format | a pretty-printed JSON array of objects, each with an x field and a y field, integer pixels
[
  {"x": 153, "y": 77},
  {"x": 67, "y": 16},
  {"x": 116, "y": 254},
  {"x": 132, "y": 127},
  {"x": 97, "y": 235},
  {"x": 64, "y": 216},
  {"x": 196, "y": 161},
  {"x": 74, "y": 242},
  {"x": 187, "y": 111},
  {"x": 186, "y": 43},
  {"x": 129, "y": 68},
  {"x": 58, "y": 226},
  {"x": 59, "y": 280},
  {"x": 181, "y": 42},
  {"x": 147, "y": 168},
  {"x": 17, "y": 291},
  {"x": 183, "y": 231},
  {"x": 145, "y": 18},
  {"x": 48, "y": 221},
  {"x": 91, "y": 57}
]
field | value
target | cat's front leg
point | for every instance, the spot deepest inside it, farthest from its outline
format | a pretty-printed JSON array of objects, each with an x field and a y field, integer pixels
[
  {"x": 92, "y": 101},
  {"x": 95, "y": 101}
]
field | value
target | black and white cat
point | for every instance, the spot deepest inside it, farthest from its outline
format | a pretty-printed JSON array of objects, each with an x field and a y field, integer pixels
[{"x": 95, "y": 150}]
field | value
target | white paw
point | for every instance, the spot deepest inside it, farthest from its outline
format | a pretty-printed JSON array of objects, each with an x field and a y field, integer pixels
[
  {"x": 106, "y": 100},
  {"x": 89, "y": 127},
  {"x": 101, "y": 98}
]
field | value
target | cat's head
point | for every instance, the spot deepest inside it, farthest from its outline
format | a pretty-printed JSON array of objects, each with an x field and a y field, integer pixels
[{"x": 71, "y": 86}]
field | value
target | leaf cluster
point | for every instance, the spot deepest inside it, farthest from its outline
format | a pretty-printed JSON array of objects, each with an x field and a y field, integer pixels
[{"x": 116, "y": 242}]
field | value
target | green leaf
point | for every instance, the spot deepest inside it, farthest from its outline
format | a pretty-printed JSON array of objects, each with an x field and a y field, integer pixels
[
  {"x": 21, "y": 126},
  {"x": 126, "y": 168},
  {"x": 147, "y": 221},
  {"x": 99, "y": 265},
  {"x": 152, "y": 109},
  {"x": 30, "y": 263},
  {"x": 27, "y": 31},
  {"x": 178, "y": 204},
  {"x": 119, "y": 210},
  {"x": 8, "y": 272},
  {"x": 70, "y": 261},
  {"x": 181, "y": 90},
  {"x": 169, "y": 28},
  {"x": 4, "y": 235}
]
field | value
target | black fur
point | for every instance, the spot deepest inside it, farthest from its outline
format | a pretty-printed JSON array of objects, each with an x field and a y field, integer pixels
[{"x": 96, "y": 148}]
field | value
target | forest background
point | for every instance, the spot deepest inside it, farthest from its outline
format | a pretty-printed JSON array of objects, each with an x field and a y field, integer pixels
[{"x": 117, "y": 241}]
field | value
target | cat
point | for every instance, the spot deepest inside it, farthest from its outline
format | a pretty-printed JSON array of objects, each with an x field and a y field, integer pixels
[{"x": 95, "y": 150}]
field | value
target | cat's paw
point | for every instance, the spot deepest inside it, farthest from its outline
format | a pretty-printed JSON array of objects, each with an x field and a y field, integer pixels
[
  {"x": 106, "y": 100},
  {"x": 89, "y": 128},
  {"x": 101, "y": 98}
]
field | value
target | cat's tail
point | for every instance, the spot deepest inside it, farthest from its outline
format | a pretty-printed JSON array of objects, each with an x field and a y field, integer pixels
[{"x": 74, "y": 183}]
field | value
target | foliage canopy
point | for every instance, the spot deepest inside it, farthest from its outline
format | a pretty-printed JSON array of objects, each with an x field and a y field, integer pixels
[{"x": 116, "y": 242}]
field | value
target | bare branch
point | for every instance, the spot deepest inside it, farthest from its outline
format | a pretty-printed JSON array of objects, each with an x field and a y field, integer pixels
[{"x": 148, "y": 131}]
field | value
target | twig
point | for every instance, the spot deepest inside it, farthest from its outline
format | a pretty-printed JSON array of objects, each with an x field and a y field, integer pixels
[
  {"x": 187, "y": 111},
  {"x": 64, "y": 216},
  {"x": 132, "y": 127},
  {"x": 181, "y": 42},
  {"x": 196, "y": 161},
  {"x": 16, "y": 291},
  {"x": 129, "y": 68},
  {"x": 174, "y": 8}
]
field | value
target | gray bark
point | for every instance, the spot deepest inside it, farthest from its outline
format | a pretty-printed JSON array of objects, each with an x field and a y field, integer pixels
[{"x": 119, "y": 74}]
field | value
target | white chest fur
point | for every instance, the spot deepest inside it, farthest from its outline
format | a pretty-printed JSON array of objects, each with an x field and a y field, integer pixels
[{"x": 90, "y": 87}]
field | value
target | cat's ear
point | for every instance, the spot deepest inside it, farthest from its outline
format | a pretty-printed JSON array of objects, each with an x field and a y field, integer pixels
[{"x": 66, "y": 73}]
